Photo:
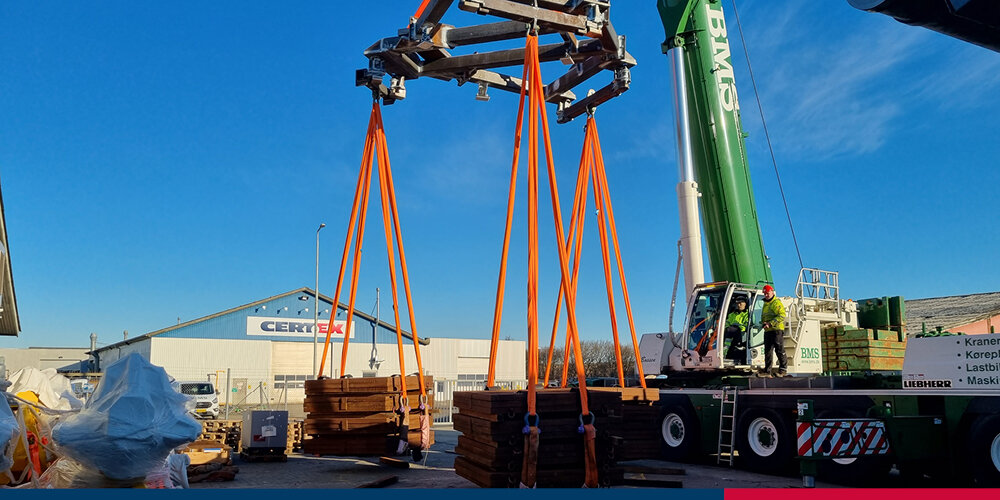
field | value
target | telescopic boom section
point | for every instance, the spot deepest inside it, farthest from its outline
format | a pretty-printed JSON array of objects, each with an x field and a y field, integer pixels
[
  {"x": 422, "y": 49},
  {"x": 697, "y": 28}
]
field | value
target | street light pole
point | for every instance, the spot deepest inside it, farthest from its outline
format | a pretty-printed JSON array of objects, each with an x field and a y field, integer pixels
[{"x": 316, "y": 303}]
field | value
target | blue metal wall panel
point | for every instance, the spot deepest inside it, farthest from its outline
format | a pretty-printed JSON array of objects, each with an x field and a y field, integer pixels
[{"x": 234, "y": 325}]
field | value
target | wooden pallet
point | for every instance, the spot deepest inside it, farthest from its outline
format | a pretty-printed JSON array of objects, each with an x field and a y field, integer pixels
[
  {"x": 218, "y": 437},
  {"x": 220, "y": 425}
]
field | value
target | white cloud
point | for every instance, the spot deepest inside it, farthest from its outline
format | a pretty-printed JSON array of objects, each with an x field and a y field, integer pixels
[{"x": 825, "y": 99}]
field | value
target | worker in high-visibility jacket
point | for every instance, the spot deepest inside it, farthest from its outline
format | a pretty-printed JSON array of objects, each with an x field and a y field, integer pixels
[
  {"x": 736, "y": 329},
  {"x": 773, "y": 317}
]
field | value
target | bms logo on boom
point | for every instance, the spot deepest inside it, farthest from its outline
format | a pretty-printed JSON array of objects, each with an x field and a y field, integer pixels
[{"x": 723, "y": 64}]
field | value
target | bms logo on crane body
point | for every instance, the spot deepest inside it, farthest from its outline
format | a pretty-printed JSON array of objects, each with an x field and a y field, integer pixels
[{"x": 721, "y": 62}]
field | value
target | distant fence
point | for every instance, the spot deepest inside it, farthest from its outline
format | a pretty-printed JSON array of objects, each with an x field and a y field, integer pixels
[
  {"x": 444, "y": 394},
  {"x": 260, "y": 398}
]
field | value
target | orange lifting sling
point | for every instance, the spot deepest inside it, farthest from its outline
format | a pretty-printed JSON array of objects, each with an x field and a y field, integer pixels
[
  {"x": 533, "y": 87},
  {"x": 592, "y": 164},
  {"x": 376, "y": 144}
]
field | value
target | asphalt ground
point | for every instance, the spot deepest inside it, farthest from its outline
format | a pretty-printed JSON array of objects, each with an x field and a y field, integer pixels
[{"x": 437, "y": 471}]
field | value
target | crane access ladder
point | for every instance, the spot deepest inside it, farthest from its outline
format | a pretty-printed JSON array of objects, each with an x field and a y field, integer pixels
[{"x": 726, "y": 450}]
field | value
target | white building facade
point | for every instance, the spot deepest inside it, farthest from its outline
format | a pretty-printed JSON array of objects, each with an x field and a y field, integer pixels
[{"x": 264, "y": 350}]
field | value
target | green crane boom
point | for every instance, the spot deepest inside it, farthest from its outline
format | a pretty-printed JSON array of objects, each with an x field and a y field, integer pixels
[{"x": 697, "y": 28}]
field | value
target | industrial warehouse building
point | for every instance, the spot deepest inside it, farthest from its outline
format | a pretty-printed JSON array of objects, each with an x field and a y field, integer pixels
[
  {"x": 971, "y": 314},
  {"x": 267, "y": 348}
]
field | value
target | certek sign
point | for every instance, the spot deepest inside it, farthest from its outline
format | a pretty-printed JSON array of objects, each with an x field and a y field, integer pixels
[
  {"x": 961, "y": 362},
  {"x": 293, "y": 327}
]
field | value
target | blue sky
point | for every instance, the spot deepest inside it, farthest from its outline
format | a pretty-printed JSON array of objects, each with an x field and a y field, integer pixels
[{"x": 171, "y": 160}]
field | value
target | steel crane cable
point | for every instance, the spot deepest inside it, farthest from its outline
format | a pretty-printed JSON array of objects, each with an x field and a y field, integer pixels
[{"x": 767, "y": 135}]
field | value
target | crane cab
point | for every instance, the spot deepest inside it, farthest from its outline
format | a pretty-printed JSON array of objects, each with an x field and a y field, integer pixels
[
  {"x": 722, "y": 329},
  {"x": 704, "y": 344}
]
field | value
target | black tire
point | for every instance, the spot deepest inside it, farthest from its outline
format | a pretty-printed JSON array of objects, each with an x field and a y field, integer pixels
[
  {"x": 861, "y": 471},
  {"x": 983, "y": 451},
  {"x": 678, "y": 433},
  {"x": 765, "y": 442}
]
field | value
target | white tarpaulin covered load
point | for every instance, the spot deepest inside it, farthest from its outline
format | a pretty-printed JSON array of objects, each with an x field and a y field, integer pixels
[
  {"x": 131, "y": 422},
  {"x": 8, "y": 434},
  {"x": 53, "y": 390}
]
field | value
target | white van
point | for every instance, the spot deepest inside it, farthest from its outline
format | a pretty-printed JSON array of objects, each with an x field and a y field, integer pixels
[{"x": 206, "y": 398}]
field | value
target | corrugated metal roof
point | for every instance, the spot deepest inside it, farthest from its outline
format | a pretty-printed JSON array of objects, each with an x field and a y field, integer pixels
[
  {"x": 10, "y": 323},
  {"x": 950, "y": 312},
  {"x": 231, "y": 320}
]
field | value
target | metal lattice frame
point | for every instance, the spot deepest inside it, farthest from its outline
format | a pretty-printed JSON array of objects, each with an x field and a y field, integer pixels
[{"x": 589, "y": 43}]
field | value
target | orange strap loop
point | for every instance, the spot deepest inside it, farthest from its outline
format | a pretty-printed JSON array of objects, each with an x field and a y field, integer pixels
[
  {"x": 533, "y": 87},
  {"x": 576, "y": 232},
  {"x": 361, "y": 210},
  {"x": 592, "y": 164},
  {"x": 501, "y": 280},
  {"x": 538, "y": 100},
  {"x": 602, "y": 174},
  {"x": 376, "y": 145}
]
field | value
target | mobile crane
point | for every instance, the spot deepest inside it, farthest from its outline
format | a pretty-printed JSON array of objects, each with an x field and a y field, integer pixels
[{"x": 712, "y": 402}]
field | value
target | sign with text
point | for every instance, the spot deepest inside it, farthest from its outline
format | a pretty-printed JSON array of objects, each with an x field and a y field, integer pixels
[
  {"x": 293, "y": 327},
  {"x": 955, "y": 362}
]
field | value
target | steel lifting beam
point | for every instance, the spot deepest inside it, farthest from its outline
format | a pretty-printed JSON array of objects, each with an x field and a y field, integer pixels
[
  {"x": 433, "y": 12},
  {"x": 571, "y": 23},
  {"x": 589, "y": 45}
]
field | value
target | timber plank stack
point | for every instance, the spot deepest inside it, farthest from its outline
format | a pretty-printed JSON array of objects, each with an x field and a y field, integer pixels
[
  {"x": 491, "y": 446},
  {"x": 222, "y": 431},
  {"x": 848, "y": 349},
  {"x": 638, "y": 436},
  {"x": 295, "y": 435},
  {"x": 356, "y": 416}
]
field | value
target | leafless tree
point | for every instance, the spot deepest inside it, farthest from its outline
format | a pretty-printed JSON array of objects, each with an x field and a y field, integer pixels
[{"x": 598, "y": 360}]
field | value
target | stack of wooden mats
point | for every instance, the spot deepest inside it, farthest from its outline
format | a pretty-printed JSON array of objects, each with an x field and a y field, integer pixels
[
  {"x": 491, "y": 446},
  {"x": 357, "y": 416},
  {"x": 847, "y": 349},
  {"x": 638, "y": 437}
]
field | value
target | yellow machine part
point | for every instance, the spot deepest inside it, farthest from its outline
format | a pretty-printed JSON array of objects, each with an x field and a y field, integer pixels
[{"x": 38, "y": 428}]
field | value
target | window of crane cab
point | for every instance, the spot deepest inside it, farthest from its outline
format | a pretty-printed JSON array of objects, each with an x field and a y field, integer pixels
[
  {"x": 756, "y": 322},
  {"x": 705, "y": 315}
]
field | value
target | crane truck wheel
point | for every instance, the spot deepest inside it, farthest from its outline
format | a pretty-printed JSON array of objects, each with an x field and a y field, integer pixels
[
  {"x": 678, "y": 433},
  {"x": 983, "y": 451},
  {"x": 765, "y": 441}
]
